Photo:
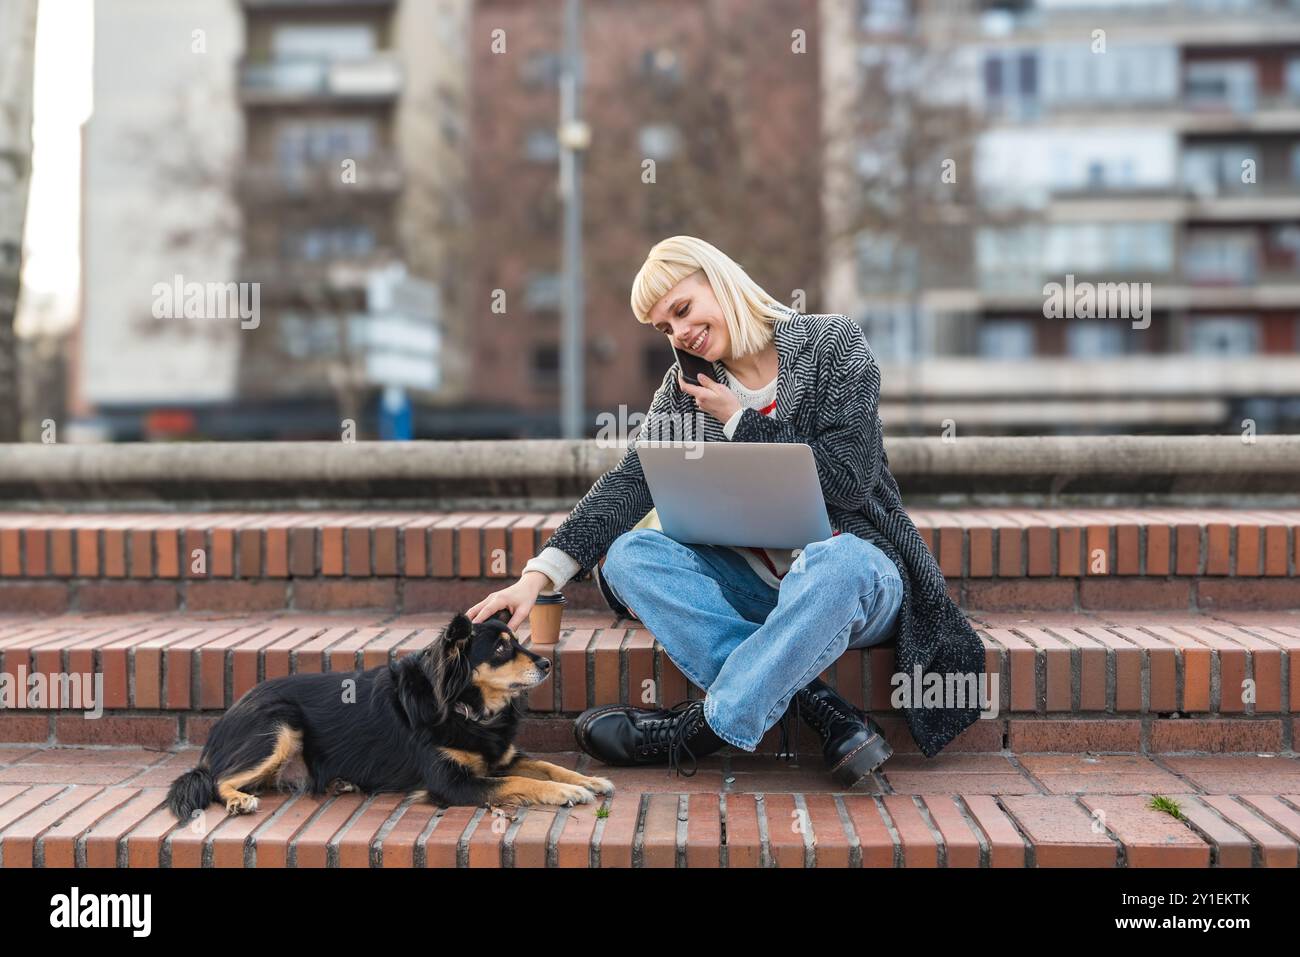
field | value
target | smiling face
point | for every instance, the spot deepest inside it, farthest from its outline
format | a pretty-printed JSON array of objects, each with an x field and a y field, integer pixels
[{"x": 689, "y": 315}]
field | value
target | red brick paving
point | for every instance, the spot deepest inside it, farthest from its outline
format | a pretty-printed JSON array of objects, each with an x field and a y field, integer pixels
[{"x": 91, "y": 807}]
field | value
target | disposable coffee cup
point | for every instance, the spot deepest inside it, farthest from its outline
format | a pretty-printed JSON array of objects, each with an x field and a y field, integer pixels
[{"x": 544, "y": 618}]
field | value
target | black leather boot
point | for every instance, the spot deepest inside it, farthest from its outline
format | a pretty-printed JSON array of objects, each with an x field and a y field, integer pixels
[
  {"x": 852, "y": 744},
  {"x": 625, "y": 736}
]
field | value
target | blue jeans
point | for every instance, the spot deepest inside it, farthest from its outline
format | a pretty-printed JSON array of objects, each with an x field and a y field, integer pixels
[{"x": 751, "y": 646}]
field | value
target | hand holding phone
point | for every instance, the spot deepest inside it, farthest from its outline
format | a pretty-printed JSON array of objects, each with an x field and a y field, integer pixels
[{"x": 692, "y": 365}]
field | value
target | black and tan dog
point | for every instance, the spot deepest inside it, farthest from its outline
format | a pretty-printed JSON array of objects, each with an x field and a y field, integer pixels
[{"x": 441, "y": 720}]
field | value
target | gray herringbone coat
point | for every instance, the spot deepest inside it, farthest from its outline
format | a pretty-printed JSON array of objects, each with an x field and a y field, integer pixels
[{"x": 828, "y": 391}]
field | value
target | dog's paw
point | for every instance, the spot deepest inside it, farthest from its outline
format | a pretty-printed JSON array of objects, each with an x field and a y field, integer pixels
[
  {"x": 598, "y": 785},
  {"x": 339, "y": 786},
  {"x": 245, "y": 804},
  {"x": 566, "y": 794}
]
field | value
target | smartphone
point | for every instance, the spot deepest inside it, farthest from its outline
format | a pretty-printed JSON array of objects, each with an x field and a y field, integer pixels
[{"x": 692, "y": 365}]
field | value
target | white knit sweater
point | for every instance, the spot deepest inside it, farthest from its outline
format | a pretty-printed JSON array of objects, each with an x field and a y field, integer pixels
[{"x": 560, "y": 567}]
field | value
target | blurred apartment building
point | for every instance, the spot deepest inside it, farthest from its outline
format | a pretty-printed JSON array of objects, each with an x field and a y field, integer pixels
[
  {"x": 703, "y": 120},
  {"x": 17, "y": 50},
  {"x": 312, "y": 147},
  {"x": 805, "y": 138},
  {"x": 223, "y": 165},
  {"x": 1113, "y": 141}
]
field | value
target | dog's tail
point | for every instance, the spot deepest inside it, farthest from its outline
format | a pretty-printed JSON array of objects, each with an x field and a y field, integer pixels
[{"x": 193, "y": 790}]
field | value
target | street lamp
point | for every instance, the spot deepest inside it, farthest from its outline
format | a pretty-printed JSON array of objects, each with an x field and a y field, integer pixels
[{"x": 574, "y": 136}]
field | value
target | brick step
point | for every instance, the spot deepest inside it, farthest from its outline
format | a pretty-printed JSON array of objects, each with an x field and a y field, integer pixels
[
  {"x": 1146, "y": 682},
  {"x": 326, "y": 561},
  {"x": 64, "y": 807}
]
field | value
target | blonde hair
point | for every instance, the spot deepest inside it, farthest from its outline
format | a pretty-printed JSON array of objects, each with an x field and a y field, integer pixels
[{"x": 749, "y": 311}]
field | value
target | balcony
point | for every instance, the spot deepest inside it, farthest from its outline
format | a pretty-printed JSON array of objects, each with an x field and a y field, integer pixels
[
  {"x": 1227, "y": 202},
  {"x": 1202, "y": 22},
  {"x": 1221, "y": 114},
  {"x": 313, "y": 6},
  {"x": 265, "y": 181},
  {"x": 325, "y": 283},
  {"x": 1023, "y": 291},
  {"x": 315, "y": 80}
]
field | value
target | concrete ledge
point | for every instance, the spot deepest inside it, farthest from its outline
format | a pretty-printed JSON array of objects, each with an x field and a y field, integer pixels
[{"x": 554, "y": 473}]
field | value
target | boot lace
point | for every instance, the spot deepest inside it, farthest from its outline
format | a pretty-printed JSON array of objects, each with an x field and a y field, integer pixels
[
  {"x": 785, "y": 751},
  {"x": 820, "y": 711},
  {"x": 672, "y": 734}
]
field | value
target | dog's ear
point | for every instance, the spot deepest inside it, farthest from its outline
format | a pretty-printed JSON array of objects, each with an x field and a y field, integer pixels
[
  {"x": 450, "y": 645},
  {"x": 460, "y": 630},
  {"x": 448, "y": 667}
]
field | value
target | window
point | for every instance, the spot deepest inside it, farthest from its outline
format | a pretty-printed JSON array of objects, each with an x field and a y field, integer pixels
[
  {"x": 1021, "y": 167},
  {"x": 1102, "y": 247},
  {"x": 886, "y": 16},
  {"x": 993, "y": 77},
  {"x": 888, "y": 66},
  {"x": 889, "y": 329},
  {"x": 1221, "y": 256},
  {"x": 1284, "y": 248},
  {"x": 541, "y": 68},
  {"x": 1010, "y": 259},
  {"x": 303, "y": 142},
  {"x": 544, "y": 212},
  {"x": 1127, "y": 73},
  {"x": 325, "y": 41},
  {"x": 1093, "y": 339},
  {"x": 1293, "y": 77},
  {"x": 655, "y": 361},
  {"x": 1022, "y": 258},
  {"x": 1224, "y": 6},
  {"x": 1011, "y": 82},
  {"x": 1028, "y": 73},
  {"x": 541, "y": 145},
  {"x": 1223, "y": 336},
  {"x": 662, "y": 65},
  {"x": 304, "y": 336},
  {"x": 545, "y": 366},
  {"x": 1215, "y": 169},
  {"x": 659, "y": 141},
  {"x": 545, "y": 291},
  {"x": 341, "y": 241},
  {"x": 883, "y": 266},
  {"x": 1221, "y": 84},
  {"x": 1006, "y": 339}
]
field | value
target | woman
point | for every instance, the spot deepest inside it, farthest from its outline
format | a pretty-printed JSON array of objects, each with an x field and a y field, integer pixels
[{"x": 754, "y": 627}]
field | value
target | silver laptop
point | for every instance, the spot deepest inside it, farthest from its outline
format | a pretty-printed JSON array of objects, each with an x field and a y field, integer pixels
[{"x": 764, "y": 494}]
